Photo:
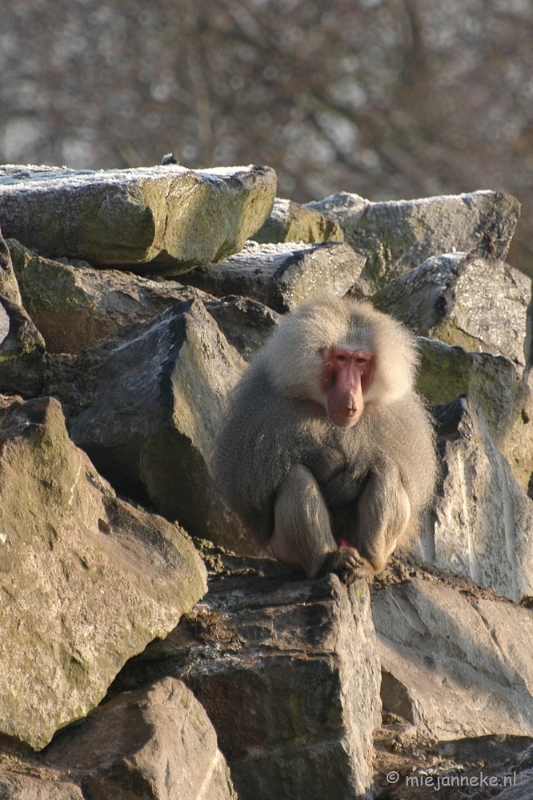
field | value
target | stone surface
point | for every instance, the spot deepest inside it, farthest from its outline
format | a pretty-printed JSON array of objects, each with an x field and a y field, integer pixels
[
  {"x": 245, "y": 323},
  {"x": 281, "y": 275},
  {"x": 288, "y": 673},
  {"x": 478, "y": 304},
  {"x": 150, "y": 424},
  {"x": 454, "y": 666},
  {"x": 482, "y": 521},
  {"x": 521, "y": 790},
  {"x": 446, "y": 372},
  {"x": 292, "y": 222},
  {"x": 517, "y": 443},
  {"x": 286, "y": 668},
  {"x": 36, "y": 783},
  {"x": 21, "y": 344},
  {"x": 154, "y": 744},
  {"x": 87, "y": 580},
  {"x": 397, "y": 236},
  {"x": 75, "y": 306},
  {"x": 158, "y": 220},
  {"x": 472, "y": 767}
]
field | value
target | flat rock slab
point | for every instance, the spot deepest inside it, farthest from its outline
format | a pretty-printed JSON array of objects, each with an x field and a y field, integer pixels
[
  {"x": 156, "y": 743},
  {"x": 397, "y": 236},
  {"x": 287, "y": 672},
  {"x": 281, "y": 276},
  {"x": 157, "y": 220},
  {"x": 455, "y": 667},
  {"x": 292, "y": 222},
  {"x": 87, "y": 580},
  {"x": 463, "y": 300}
]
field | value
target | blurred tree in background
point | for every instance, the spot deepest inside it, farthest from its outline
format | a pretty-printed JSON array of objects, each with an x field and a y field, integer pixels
[{"x": 387, "y": 98}]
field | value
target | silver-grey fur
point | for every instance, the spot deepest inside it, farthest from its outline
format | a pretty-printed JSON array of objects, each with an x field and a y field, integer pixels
[{"x": 300, "y": 481}]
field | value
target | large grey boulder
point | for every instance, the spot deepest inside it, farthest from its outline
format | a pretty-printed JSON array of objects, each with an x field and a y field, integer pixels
[
  {"x": 397, "y": 236},
  {"x": 454, "y": 665},
  {"x": 281, "y": 275},
  {"x": 155, "y": 405},
  {"x": 482, "y": 521},
  {"x": 154, "y": 744},
  {"x": 292, "y": 222},
  {"x": 288, "y": 673},
  {"x": 87, "y": 580},
  {"x": 464, "y": 300},
  {"x": 158, "y": 220}
]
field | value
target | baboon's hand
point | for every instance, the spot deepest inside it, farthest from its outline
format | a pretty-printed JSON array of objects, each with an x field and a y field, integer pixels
[{"x": 349, "y": 565}]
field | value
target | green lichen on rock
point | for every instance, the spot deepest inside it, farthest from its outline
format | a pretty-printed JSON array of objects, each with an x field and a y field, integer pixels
[
  {"x": 44, "y": 284},
  {"x": 448, "y": 331},
  {"x": 446, "y": 372},
  {"x": 291, "y": 222}
]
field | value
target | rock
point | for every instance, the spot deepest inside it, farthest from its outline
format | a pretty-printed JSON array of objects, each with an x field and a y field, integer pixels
[
  {"x": 397, "y": 236},
  {"x": 502, "y": 390},
  {"x": 463, "y": 300},
  {"x": 493, "y": 382},
  {"x": 75, "y": 306},
  {"x": 453, "y": 769},
  {"x": 292, "y": 222},
  {"x": 245, "y": 323},
  {"x": 46, "y": 785},
  {"x": 287, "y": 672},
  {"x": 157, "y": 220},
  {"x": 482, "y": 520},
  {"x": 517, "y": 443},
  {"x": 522, "y": 789},
  {"x": 453, "y": 665},
  {"x": 155, "y": 744},
  {"x": 87, "y": 580},
  {"x": 158, "y": 393},
  {"x": 281, "y": 275},
  {"x": 21, "y": 344},
  {"x": 494, "y": 749}
]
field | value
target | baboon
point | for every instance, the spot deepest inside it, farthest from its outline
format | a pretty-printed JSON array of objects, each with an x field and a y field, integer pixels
[{"x": 326, "y": 451}]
